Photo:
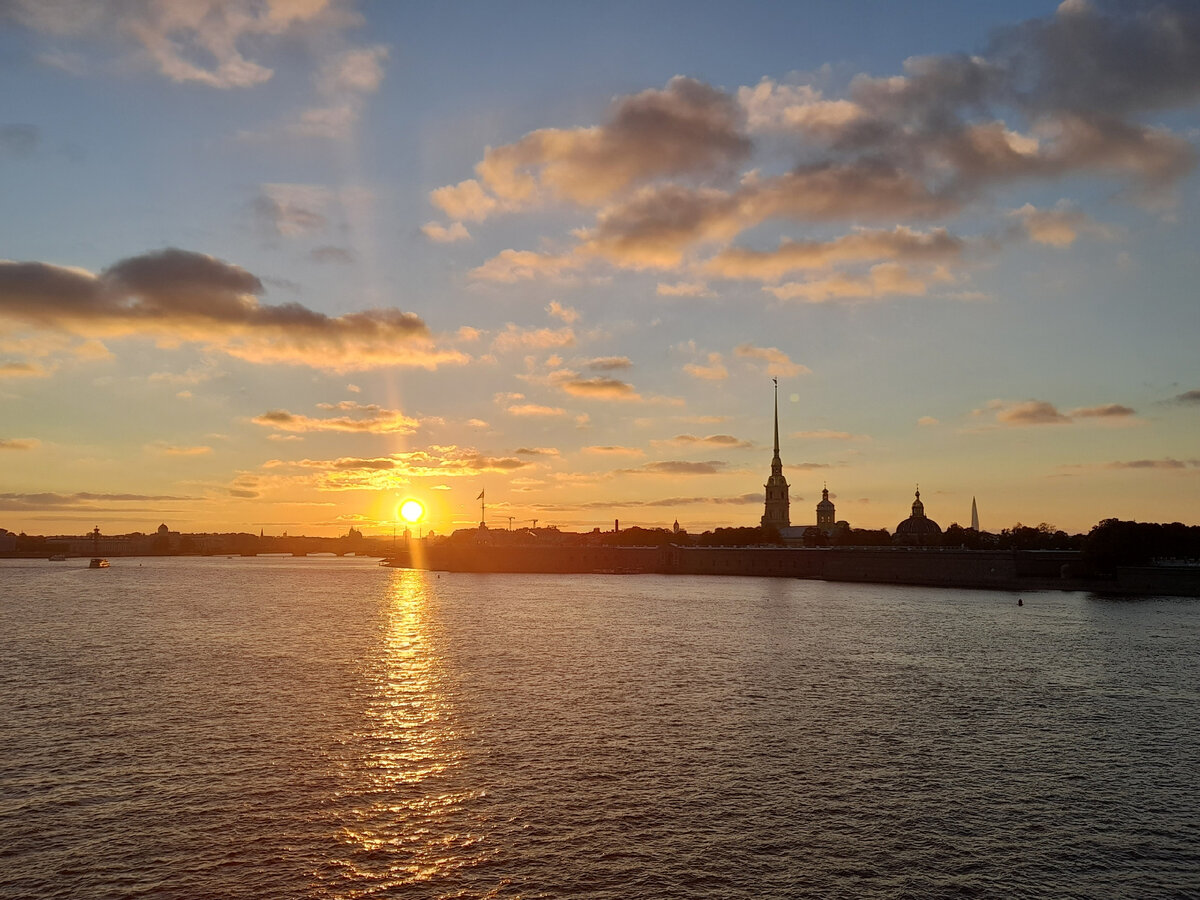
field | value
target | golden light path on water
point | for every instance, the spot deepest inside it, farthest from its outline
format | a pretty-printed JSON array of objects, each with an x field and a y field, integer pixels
[{"x": 411, "y": 823}]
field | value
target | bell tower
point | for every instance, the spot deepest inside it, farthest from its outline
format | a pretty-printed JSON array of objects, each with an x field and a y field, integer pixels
[{"x": 775, "y": 509}]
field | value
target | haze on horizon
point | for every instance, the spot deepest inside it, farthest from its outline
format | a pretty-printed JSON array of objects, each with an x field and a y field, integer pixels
[{"x": 281, "y": 264}]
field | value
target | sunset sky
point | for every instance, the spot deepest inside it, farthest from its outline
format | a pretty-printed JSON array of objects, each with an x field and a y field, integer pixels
[{"x": 281, "y": 264}]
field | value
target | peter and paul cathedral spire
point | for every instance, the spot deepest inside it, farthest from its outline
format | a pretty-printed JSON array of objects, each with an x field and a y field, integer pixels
[{"x": 775, "y": 509}]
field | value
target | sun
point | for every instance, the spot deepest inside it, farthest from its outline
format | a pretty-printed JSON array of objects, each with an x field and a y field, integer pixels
[{"x": 411, "y": 511}]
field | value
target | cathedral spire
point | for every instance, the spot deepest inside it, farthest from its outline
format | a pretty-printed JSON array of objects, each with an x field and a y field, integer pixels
[{"x": 775, "y": 509}]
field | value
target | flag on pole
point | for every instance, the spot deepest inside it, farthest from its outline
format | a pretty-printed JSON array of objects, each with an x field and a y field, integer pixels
[{"x": 480, "y": 497}]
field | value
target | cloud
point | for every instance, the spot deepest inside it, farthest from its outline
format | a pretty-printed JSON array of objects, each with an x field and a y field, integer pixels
[
  {"x": 1105, "y": 411},
  {"x": 177, "y": 450},
  {"x": 609, "y": 363},
  {"x": 83, "y": 500},
  {"x": 864, "y": 245},
  {"x": 293, "y": 210},
  {"x": 1030, "y": 412},
  {"x": 534, "y": 410},
  {"x": 1188, "y": 397},
  {"x": 686, "y": 129},
  {"x": 511, "y": 266},
  {"x": 727, "y": 441},
  {"x": 779, "y": 364},
  {"x": 1168, "y": 464},
  {"x": 442, "y": 234},
  {"x": 328, "y": 254},
  {"x": 16, "y": 369},
  {"x": 198, "y": 41},
  {"x": 1040, "y": 412},
  {"x": 176, "y": 296},
  {"x": 677, "y": 467},
  {"x": 384, "y": 473},
  {"x": 1059, "y": 227},
  {"x": 1049, "y": 99},
  {"x": 684, "y": 289},
  {"x": 566, "y": 313},
  {"x": 927, "y": 420},
  {"x": 600, "y": 388},
  {"x": 714, "y": 371},
  {"x": 376, "y": 421},
  {"x": 771, "y": 106},
  {"x": 19, "y": 443},
  {"x": 358, "y": 70},
  {"x": 883, "y": 280},
  {"x": 516, "y": 338},
  {"x": 611, "y": 450},
  {"x": 537, "y": 451}
]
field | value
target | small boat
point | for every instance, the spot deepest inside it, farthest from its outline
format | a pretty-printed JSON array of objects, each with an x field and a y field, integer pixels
[
  {"x": 98, "y": 563},
  {"x": 59, "y": 557}
]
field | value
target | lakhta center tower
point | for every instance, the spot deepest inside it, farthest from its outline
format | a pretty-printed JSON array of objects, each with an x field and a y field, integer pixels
[{"x": 775, "y": 511}]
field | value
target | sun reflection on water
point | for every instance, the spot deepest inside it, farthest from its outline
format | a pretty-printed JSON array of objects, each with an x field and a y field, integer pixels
[{"x": 409, "y": 816}]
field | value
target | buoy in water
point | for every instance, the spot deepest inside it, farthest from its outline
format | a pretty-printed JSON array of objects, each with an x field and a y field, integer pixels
[{"x": 1020, "y": 602}]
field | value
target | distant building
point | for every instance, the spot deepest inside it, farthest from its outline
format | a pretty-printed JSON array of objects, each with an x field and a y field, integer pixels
[
  {"x": 826, "y": 514},
  {"x": 827, "y": 522},
  {"x": 974, "y": 516},
  {"x": 775, "y": 509},
  {"x": 918, "y": 530}
]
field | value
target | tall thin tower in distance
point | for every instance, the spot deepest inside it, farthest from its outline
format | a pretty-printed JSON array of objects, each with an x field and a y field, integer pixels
[
  {"x": 775, "y": 510},
  {"x": 974, "y": 516}
]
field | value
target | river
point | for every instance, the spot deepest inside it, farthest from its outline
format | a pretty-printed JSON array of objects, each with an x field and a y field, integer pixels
[{"x": 327, "y": 728}]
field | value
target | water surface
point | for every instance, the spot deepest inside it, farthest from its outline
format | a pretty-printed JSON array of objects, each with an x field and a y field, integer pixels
[{"x": 327, "y": 728}]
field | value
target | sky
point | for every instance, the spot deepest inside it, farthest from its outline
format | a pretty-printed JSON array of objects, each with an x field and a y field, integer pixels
[{"x": 280, "y": 265}]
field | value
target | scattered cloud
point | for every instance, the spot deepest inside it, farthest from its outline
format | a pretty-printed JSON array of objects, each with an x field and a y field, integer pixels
[
  {"x": 176, "y": 296},
  {"x": 515, "y": 338},
  {"x": 349, "y": 473},
  {"x": 666, "y": 173},
  {"x": 882, "y": 280},
  {"x": 901, "y": 244},
  {"x": 375, "y": 420},
  {"x": 1041, "y": 412},
  {"x": 1169, "y": 464},
  {"x": 1030, "y": 412},
  {"x": 727, "y": 441},
  {"x": 611, "y": 450},
  {"x": 443, "y": 234},
  {"x": 714, "y": 370},
  {"x": 677, "y": 467},
  {"x": 293, "y": 210},
  {"x": 176, "y": 450},
  {"x": 687, "y": 128},
  {"x": 84, "y": 501},
  {"x": 537, "y": 451},
  {"x": 566, "y": 313},
  {"x": 1188, "y": 397},
  {"x": 534, "y": 410},
  {"x": 19, "y": 443},
  {"x": 600, "y": 388},
  {"x": 684, "y": 289},
  {"x": 927, "y": 420},
  {"x": 779, "y": 364},
  {"x": 511, "y": 266},
  {"x": 1105, "y": 411},
  {"x": 609, "y": 363},
  {"x": 1059, "y": 227}
]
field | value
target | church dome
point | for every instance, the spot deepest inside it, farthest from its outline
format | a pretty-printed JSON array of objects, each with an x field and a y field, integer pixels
[{"x": 918, "y": 528}]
